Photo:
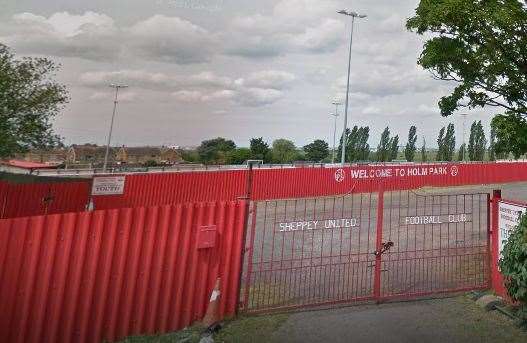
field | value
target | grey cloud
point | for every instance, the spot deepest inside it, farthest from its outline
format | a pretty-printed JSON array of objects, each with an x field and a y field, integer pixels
[
  {"x": 385, "y": 81},
  {"x": 257, "y": 89},
  {"x": 295, "y": 26},
  {"x": 95, "y": 36},
  {"x": 170, "y": 39},
  {"x": 271, "y": 79}
]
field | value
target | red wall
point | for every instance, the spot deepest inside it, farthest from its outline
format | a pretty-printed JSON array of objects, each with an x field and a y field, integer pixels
[
  {"x": 172, "y": 188},
  {"x": 104, "y": 275},
  {"x": 156, "y": 189},
  {"x": 28, "y": 199},
  {"x": 179, "y": 187}
]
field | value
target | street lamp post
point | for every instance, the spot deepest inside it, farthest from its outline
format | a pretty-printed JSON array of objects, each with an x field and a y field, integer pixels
[
  {"x": 117, "y": 87},
  {"x": 464, "y": 130},
  {"x": 336, "y": 115},
  {"x": 353, "y": 15}
]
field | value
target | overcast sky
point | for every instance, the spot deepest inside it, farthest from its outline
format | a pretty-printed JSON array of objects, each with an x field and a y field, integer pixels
[{"x": 199, "y": 69}]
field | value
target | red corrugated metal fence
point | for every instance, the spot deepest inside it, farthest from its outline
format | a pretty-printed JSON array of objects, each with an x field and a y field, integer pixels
[
  {"x": 104, "y": 275},
  {"x": 31, "y": 199},
  {"x": 156, "y": 189},
  {"x": 172, "y": 188}
]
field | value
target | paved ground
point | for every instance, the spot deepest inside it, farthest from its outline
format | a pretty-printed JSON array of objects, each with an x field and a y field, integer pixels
[{"x": 450, "y": 320}]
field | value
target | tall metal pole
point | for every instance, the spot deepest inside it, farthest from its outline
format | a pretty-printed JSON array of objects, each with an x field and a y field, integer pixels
[
  {"x": 344, "y": 136},
  {"x": 111, "y": 125},
  {"x": 353, "y": 15},
  {"x": 336, "y": 115}
]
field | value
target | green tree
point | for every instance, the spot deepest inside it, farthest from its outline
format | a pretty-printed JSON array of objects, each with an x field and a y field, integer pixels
[
  {"x": 215, "y": 151},
  {"x": 394, "y": 148},
  {"x": 411, "y": 148},
  {"x": 259, "y": 149},
  {"x": 492, "y": 144},
  {"x": 191, "y": 156},
  {"x": 481, "y": 47},
  {"x": 363, "y": 148},
  {"x": 238, "y": 155},
  {"x": 357, "y": 147},
  {"x": 424, "y": 157},
  {"x": 477, "y": 142},
  {"x": 316, "y": 151},
  {"x": 29, "y": 99},
  {"x": 461, "y": 153},
  {"x": 512, "y": 265},
  {"x": 441, "y": 145},
  {"x": 449, "y": 143},
  {"x": 339, "y": 150},
  {"x": 284, "y": 151},
  {"x": 511, "y": 135},
  {"x": 383, "y": 149}
]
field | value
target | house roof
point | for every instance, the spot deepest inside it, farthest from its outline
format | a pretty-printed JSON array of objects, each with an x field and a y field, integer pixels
[{"x": 27, "y": 165}]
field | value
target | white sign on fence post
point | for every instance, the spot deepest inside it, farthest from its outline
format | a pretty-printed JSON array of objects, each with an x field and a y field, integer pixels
[
  {"x": 108, "y": 185},
  {"x": 508, "y": 219}
]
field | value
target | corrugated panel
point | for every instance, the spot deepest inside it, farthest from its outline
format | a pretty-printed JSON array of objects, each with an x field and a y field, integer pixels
[
  {"x": 31, "y": 199},
  {"x": 104, "y": 275},
  {"x": 171, "y": 188}
]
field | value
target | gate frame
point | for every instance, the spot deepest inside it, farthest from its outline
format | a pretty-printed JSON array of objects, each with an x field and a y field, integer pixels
[{"x": 491, "y": 222}]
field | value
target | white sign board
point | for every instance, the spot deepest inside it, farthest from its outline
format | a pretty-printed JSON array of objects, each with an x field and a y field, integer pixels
[
  {"x": 508, "y": 219},
  {"x": 108, "y": 185}
]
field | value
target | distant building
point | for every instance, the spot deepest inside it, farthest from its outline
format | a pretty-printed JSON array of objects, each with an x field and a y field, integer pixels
[{"x": 92, "y": 155}]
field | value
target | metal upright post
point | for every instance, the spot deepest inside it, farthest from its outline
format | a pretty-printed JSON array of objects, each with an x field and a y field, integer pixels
[
  {"x": 111, "y": 125},
  {"x": 353, "y": 15}
]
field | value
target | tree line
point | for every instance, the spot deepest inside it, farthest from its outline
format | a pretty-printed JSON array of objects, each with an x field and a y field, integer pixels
[
  {"x": 224, "y": 151},
  {"x": 30, "y": 98}
]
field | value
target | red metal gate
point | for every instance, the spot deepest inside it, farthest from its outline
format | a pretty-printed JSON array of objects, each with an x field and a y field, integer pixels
[{"x": 373, "y": 246}]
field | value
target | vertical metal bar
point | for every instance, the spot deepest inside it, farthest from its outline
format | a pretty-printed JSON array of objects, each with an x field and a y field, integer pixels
[
  {"x": 282, "y": 256},
  {"x": 378, "y": 255},
  {"x": 303, "y": 284},
  {"x": 322, "y": 256},
  {"x": 271, "y": 267},
  {"x": 244, "y": 238},
  {"x": 489, "y": 250},
  {"x": 292, "y": 266},
  {"x": 250, "y": 258},
  {"x": 262, "y": 253},
  {"x": 368, "y": 249}
]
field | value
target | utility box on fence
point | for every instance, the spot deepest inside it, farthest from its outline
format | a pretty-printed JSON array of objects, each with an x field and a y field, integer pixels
[{"x": 207, "y": 237}]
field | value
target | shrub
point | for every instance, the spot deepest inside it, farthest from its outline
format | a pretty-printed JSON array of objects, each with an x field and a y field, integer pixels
[{"x": 513, "y": 264}]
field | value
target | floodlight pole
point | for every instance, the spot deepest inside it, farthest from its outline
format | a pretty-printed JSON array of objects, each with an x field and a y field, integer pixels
[
  {"x": 353, "y": 15},
  {"x": 117, "y": 87},
  {"x": 336, "y": 115}
]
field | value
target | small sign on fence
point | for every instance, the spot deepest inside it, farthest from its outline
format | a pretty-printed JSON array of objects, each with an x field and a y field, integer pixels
[
  {"x": 508, "y": 219},
  {"x": 108, "y": 185}
]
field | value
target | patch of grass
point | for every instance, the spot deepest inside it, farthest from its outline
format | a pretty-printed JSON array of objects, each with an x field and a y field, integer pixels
[
  {"x": 258, "y": 329},
  {"x": 188, "y": 335}
]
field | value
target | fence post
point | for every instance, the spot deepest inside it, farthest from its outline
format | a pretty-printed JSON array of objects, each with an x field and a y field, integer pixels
[
  {"x": 497, "y": 279},
  {"x": 247, "y": 198},
  {"x": 378, "y": 245}
]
